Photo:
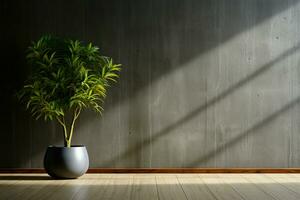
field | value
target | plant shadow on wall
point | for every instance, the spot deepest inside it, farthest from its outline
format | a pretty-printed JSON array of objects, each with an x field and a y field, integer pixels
[
  {"x": 210, "y": 155},
  {"x": 154, "y": 46},
  {"x": 243, "y": 135},
  {"x": 151, "y": 38},
  {"x": 169, "y": 34}
]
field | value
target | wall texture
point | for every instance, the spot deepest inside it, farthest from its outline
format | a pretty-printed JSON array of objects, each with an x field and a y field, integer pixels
[{"x": 205, "y": 83}]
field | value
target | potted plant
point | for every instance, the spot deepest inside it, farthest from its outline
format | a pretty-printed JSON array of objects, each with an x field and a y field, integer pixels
[{"x": 66, "y": 77}]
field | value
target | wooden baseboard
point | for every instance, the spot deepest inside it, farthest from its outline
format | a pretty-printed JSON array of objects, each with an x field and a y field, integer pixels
[
  {"x": 194, "y": 170},
  {"x": 165, "y": 170}
]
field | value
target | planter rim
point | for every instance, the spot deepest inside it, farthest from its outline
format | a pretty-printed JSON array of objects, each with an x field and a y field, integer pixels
[{"x": 72, "y": 146}]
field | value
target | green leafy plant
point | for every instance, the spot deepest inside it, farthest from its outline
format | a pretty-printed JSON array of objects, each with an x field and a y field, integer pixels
[{"x": 66, "y": 77}]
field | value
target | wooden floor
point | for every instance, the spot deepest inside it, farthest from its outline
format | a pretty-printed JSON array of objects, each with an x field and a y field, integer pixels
[{"x": 153, "y": 186}]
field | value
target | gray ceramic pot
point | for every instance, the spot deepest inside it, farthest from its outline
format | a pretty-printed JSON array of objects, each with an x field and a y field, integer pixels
[{"x": 63, "y": 162}]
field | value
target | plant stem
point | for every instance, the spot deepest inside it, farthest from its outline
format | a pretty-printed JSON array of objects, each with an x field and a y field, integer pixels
[
  {"x": 76, "y": 115},
  {"x": 63, "y": 123}
]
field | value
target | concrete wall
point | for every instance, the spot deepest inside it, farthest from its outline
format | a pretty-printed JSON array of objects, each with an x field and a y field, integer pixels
[{"x": 205, "y": 83}]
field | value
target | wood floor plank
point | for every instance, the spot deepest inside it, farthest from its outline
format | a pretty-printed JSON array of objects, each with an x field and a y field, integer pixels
[
  {"x": 169, "y": 188},
  {"x": 52, "y": 189},
  {"x": 144, "y": 187},
  {"x": 152, "y": 187},
  {"x": 118, "y": 187},
  {"x": 246, "y": 189},
  {"x": 33, "y": 190},
  {"x": 67, "y": 190},
  {"x": 292, "y": 184},
  {"x": 194, "y": 188},
  {"x": 94, "y": 188},
  {"x": 7, "y": 191},
  {"x": 290, "y": 175},
  {"x": 272, "y": 187},
  {"x": 221, "y": 190},
  {"x": 12, "y": 185}
]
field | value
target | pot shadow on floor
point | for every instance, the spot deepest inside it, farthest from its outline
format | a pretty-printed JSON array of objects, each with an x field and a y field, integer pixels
[{"x": 25, "y": 177}]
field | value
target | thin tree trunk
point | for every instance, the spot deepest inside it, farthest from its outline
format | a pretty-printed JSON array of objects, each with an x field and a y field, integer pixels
[
  {"x": 76, "y": 115},
  {"x": 65, "y": 133}
]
